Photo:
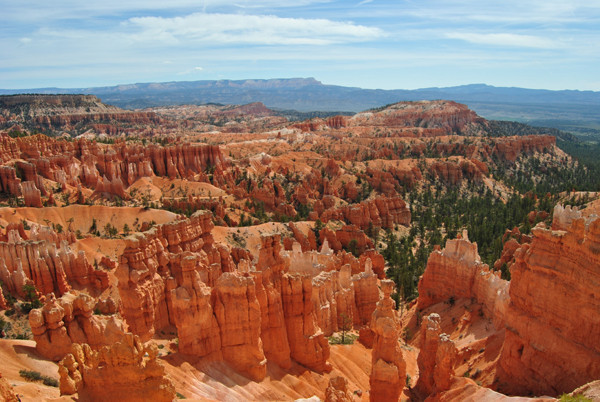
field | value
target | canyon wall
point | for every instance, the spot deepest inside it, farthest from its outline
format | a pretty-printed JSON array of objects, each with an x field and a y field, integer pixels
[
  {"x": 549, "y": 308},
  {"x": 551, "y": 343}
]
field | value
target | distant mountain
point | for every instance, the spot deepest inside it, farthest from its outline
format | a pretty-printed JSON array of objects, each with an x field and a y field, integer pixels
[{"x": 575, "y": 111}]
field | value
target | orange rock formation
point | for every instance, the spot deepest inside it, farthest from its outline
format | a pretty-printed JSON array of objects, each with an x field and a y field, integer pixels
[
  {"x": 70, "y": 319},
  {"x": 551, "y": 338},
  {"x": 126, "y": 371},
  {"x": 388, "y": 373}
]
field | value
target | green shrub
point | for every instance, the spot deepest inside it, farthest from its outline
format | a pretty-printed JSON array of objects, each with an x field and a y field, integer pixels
[
  {"x": 51, "y": 382},
  {"x": 337, "y": 339},
  {"x": 31, "y": 375}
]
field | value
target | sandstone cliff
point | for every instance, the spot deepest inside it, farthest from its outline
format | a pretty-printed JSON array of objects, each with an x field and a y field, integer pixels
[{"x": 552, "y": 328}]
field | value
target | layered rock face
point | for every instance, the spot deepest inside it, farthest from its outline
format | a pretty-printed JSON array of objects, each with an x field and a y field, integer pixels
[
  {"x": 151, "y": 259},
  {"x": 68, "y": 320},
  {"x": 173, "y": 274},
  {"x": 125, "y": 371},
  {"x": 103, "y": 168},
  {"x": 446, "y": 115},
  {"x": 380, "y": 212},
  {"x": 388, "y": 373},
  {"x": 49, "y": 267},
  {"x": 510, "y": 148},
  {"x": 191, "y": 309},
  {"x": 238, "y": 315},
  {"x": 366, "y": 295},
  {"x": 67, "y": 112},
  {"x": 551, "y": 343},
  {"x": 548, "y": 308},
  {"x": 457, "y": 272},
  {"x": 273, "y": 325},
  {"x": 308, "y": 345}
]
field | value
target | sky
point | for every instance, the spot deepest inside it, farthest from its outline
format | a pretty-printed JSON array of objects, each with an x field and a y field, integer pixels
[{"x": 387, "y": 44}]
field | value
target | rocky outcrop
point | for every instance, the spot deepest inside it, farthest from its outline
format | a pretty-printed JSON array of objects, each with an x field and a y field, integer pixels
[
  {"x": 151, "y": 259},
  {"x": 9, "y": 182},
  {"x": 333, "y": 300},
  {"x": 457, "y": 272},
  {"x": 552, "y": 322},
  {"x": 125, "y": 371},
  {"x": 388, "y": 372},
  {"x": 380, "y": 212},
  {"x": 31, "y": 194},
  {"x": 191, "y": 309},
  {"x": 366, "y": 295},
  {"x": 238, "y": 315},
  {"x": 308, "y": 345},
  {"x": 70, "y": 319},
  {"x": 337, "y": 390},
  {"x": 273, "y": 325},
  {"x": 7, "y": 393},
  {"x": 510, "y": 148},
  {"x": 436, "y": 359}
]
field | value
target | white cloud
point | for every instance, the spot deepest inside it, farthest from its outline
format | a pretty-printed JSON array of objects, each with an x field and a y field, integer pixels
[
  {"x": 248, "y": 29},
  {"x": 25, "y": 40},
  {"x": 504, "y": 39}
]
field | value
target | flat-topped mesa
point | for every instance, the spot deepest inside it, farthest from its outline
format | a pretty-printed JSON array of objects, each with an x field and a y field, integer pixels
[
  {"x": 457, "y": 272},
  {"x": 67, "y": 112},
  {"x": 445, "y": 116},
  {"x": 70, "y": 319},
  {"x": 551, "y": 344},
  {"x": 125, "y": 371},
  {"x": 145, "y": 266},
  {"x": 388, "y": 372}
]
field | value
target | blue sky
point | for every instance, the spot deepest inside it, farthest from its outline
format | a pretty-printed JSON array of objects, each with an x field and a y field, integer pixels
[{"x": 390, "y": 44}]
